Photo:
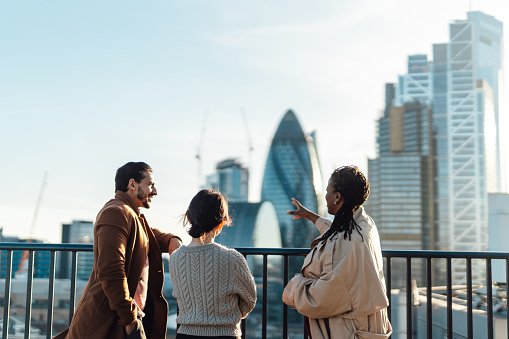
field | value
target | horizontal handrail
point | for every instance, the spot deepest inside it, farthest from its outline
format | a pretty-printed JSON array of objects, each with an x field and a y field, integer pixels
[{"x": 273, "y": 251}]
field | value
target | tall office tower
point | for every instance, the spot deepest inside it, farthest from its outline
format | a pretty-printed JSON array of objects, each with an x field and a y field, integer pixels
[
  {"x": 401, "y": 178},
  {"x": 462, "y": 85},
  {"x": 231, "y": 179},
  {"x": 77, "y": 232},
  {"x": 416, "y": 85},
  {"x": 390, "y": 95},
  {"x": 292, "y": 170},
  {"x": 466, "y": 85},
  {"x": 487, "y": 38}
]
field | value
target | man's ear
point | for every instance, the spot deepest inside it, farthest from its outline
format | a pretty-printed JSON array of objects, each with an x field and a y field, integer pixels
[{"x": 131, "y": 184}]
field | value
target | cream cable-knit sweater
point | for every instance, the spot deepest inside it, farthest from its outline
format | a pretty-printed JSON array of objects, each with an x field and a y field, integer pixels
[{"x": 214, "y": 289}]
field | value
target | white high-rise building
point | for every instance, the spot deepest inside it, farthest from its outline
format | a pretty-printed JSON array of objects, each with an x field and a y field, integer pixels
[
  {"x": 466, "y": 82},
  {"x": 463, "y": 86},
  {"x": 417, "y": 84}
]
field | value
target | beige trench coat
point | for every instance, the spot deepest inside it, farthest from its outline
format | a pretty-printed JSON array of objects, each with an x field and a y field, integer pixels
[{"x": 342, "y": 283}]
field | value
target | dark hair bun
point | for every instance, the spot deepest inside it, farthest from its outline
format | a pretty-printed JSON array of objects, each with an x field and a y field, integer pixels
[
  {"x": 206, "y": 211},
  {"x": 196, "y": 231}
]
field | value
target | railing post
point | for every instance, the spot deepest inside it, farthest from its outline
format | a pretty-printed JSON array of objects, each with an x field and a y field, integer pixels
[
  {"x": 74, "y": 275},
  {"x": 429, "y": 305},
  {"x": 507, "y": 292},
  {"x": 51, "y": 296},
  {"x": 489, "y": 298},
  {"x": 264, "y": 306},
  {"x": 285, "y": 307},
  {"x": 470, "y": 326},
  {"x": 409, "y": 302},
  {"x": 388, "y": 282},
  {"x": 7, "y": 294},
  {"x": 449, "y": 298},
  {"x": 28, "y": 304}
]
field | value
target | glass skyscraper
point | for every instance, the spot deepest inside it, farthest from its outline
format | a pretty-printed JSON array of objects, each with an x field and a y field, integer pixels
[
  {"x": 467, "y": 80},
  {"x": 461, "y": 86},
  {"x": 401, "y": 178},
  {"x": 231, "y": 179},
  {"x": 78, "y": 231},
  {"x": 292, "y": 170}
]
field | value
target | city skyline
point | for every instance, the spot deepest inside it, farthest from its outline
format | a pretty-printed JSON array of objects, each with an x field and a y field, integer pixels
[{"x": 87, "y": 87}]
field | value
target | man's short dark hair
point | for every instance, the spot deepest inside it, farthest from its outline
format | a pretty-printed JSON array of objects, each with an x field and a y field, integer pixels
[{"x": 131, "y": 170}]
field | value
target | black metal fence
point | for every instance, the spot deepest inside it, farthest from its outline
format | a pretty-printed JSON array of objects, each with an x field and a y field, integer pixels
[{"x": 285, "y": 254}]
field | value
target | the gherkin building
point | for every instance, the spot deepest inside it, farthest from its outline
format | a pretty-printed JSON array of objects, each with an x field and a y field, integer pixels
[{"x": 292, "y": 170}]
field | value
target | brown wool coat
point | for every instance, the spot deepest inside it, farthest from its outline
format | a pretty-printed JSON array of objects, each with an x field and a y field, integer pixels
[{"x": 122, "y": 241}]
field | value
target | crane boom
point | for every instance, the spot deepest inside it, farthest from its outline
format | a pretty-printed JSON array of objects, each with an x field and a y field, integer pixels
[
  {"x": 37, "y": 205},
  {"x": 22, "y": 268},
  {"x": 249, "y": 142},
  {"x": 199, "y": 149}
]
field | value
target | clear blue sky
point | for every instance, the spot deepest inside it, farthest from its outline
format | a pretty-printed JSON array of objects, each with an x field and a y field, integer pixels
[{"x": 86, "y": 86}]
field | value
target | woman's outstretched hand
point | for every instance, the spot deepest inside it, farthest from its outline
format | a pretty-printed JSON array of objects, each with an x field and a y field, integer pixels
[{"x": 302, "y": 212}]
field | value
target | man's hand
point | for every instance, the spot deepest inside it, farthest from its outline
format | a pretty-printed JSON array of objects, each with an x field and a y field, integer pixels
[
  {"x": 175, "y": 243},
  {"x": 130, "y": 328}
]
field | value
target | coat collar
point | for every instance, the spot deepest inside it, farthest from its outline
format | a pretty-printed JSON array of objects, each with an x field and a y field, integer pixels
[{"x": 124, "y": 197}]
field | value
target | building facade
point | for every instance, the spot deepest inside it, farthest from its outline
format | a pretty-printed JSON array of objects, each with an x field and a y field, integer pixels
[
  {"x": 416, "y": 85},
  {"x": 19, "y": 267},
  {"x": 461, "y": 85},
  {"x": 401, "y": 178},
  {"x": 468, "y": 162},
  {"x": 231, "y": 179},
  {"x": 292, "y": 171},
  {"x": 78, "y": 231}
]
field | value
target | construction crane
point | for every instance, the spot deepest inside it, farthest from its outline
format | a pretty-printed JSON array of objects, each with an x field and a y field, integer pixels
[
  {"x": 199, "y": 149},
  {"x": 249, "y": 143},
  {"x": 23, "y": 265}
]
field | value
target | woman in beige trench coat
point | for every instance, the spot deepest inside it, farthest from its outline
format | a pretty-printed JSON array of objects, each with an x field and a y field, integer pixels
[{"x": 341, "y": 287}]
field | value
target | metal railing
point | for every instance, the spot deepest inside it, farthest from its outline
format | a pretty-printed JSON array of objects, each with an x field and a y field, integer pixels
[{"x": 285, "y": 253}]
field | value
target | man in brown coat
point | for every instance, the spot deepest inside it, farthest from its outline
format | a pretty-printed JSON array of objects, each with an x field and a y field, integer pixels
[{"x": 123, "y": 297}]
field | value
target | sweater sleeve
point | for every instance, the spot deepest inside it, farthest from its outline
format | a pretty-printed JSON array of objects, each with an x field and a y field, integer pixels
[
  {"x": 112, "y": 229},
  {"x": 243, "y": 284}
]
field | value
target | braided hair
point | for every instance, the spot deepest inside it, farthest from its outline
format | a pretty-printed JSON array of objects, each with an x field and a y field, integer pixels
[{"x": 354, "y": 189}]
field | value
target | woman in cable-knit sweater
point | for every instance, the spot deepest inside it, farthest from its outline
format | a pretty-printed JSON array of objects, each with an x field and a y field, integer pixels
[{"x": 212, "y": 283}]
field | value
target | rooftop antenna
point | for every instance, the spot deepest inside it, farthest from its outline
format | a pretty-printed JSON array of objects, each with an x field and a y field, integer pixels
[{"x": 198, "y": 155}]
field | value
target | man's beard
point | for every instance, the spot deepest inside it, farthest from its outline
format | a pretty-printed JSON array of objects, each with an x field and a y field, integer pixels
[{"x": 143, "y": 198}]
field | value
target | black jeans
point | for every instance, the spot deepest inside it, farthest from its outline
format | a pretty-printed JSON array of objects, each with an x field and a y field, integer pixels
[
  {"x": 138, "y": 332},
  {"x": 187, "y": 336}
]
